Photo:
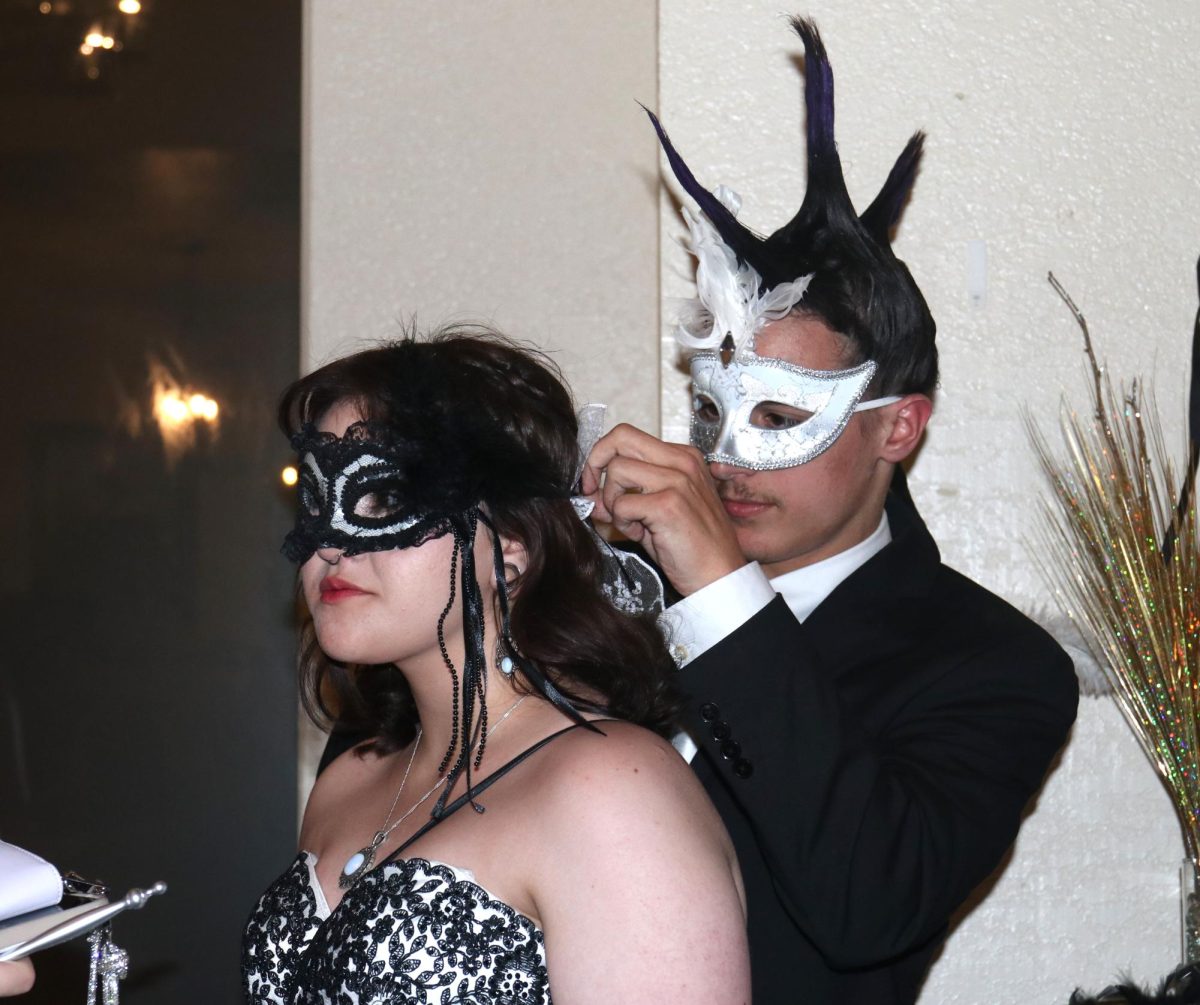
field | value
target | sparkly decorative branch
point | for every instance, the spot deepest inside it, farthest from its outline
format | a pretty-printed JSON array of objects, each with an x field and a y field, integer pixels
[{"x": 1115, "y": 496}]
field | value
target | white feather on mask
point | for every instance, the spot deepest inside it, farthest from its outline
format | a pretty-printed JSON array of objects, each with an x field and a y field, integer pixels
[{"x": 728, "y": 301}]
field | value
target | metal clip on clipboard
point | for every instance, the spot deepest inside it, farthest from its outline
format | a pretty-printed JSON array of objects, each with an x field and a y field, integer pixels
[
  {"x": 84, "y": 909},
  {"x": 80, "y": 922}
]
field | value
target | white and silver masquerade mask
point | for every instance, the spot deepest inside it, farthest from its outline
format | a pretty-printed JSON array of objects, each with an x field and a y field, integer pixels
[
  {"x": 731, "y": 383},
  {"x": 725, "y": 400}
]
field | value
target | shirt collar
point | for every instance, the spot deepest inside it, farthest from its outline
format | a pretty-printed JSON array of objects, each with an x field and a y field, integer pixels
[{"x": 804, "y": 588}]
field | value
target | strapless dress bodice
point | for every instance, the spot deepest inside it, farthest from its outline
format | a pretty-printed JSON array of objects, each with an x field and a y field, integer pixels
[{"x": 410, "y": 930}]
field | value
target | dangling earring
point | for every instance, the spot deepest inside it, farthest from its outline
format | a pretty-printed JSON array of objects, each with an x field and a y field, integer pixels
[{"x": 505, "y": 648}]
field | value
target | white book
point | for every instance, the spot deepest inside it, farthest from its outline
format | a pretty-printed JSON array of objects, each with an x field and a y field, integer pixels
[{"x": 27, "y": 882}]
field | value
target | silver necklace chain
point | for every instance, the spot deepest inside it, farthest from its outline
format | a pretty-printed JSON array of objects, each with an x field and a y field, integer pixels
[{"x": 362, "y": 860}]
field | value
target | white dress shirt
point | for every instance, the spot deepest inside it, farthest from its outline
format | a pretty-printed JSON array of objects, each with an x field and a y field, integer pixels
[{"x": 699, "y": 622}]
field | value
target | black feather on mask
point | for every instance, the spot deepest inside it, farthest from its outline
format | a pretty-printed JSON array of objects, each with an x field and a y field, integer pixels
[{"x": 859, "y": 287}]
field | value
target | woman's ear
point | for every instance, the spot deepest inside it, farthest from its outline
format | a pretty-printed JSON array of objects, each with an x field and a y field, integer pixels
[{"x": 516, "y": 560}]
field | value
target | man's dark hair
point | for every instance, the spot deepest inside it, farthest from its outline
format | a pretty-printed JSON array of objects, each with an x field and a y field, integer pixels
[{"x": 859, "y": 287}]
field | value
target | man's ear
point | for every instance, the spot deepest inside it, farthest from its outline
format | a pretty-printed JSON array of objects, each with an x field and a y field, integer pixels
[{"x": 904, "y": 424}]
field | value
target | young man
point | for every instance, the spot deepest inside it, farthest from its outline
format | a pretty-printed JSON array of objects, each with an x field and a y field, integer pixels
[{"x": 870, "y": 723}]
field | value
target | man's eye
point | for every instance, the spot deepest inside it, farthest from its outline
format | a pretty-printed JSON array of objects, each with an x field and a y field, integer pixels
[
  {"x": 705, "y": 409},
  {"x": 771, "y": 416}
]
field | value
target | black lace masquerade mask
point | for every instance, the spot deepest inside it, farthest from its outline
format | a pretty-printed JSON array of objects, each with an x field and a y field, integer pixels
[{"x": 355, "y": 494}]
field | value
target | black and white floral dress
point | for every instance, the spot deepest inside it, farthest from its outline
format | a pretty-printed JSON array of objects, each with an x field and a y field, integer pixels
[{"x": 410, "y": 930}]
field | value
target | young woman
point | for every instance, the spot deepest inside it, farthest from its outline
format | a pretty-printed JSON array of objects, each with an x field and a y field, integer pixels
[{"x": 517, "y": 826}]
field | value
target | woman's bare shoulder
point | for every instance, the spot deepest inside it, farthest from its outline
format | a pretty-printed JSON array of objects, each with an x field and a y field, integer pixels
[
  {"x": 625, "y": 821},
  {"x": 617, "y": 774},
  {"x": 613, "y": 746}
]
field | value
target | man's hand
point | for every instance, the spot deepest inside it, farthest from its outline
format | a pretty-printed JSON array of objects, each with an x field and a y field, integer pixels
[{"x": 662, "y": 496}]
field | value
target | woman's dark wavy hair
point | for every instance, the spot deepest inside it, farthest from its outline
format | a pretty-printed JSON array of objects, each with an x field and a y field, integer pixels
[{"x": 490, "y": 406}]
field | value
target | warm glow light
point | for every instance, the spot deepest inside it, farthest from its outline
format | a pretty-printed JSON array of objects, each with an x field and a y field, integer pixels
[
  {"x": 94, "y": 38},
  {"x": 86, "y": 49},
  {"x": 174, "y": 410},
  {"x": 129, "y": 7},
  {"x": 203, "y": 407},
  {"x": 179, "y": 410},
  {"x": 107, "y": 42},
  {"x": 171, "y": 409},
  {"x": 45, "y": 6},
  {"x": 290, "y": 476}
]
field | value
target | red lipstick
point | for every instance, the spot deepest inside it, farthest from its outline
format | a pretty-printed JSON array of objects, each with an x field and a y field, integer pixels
[{"x": 335, "y": 589}]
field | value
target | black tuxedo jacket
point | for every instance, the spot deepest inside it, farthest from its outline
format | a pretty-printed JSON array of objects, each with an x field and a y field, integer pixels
[{"x": 872, "y": 765}]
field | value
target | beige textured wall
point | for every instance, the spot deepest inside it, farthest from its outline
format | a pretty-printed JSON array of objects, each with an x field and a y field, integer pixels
[
  {"x": 1064, "y": 136},
  {"x": 485, "y": 161},
  {"x": 489, "y": 161}
]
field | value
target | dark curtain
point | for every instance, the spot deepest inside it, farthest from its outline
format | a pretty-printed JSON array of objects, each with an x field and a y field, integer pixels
[{"x": 149, "y": 219}]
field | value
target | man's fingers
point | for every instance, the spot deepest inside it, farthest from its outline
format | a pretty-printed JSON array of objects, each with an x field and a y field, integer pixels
[
  {"x": 626, "y": 475},
  {"x": 630, "y": 442},
  {"x": 634, "y": 513},
  {"x": 663, "y": 496},
  {"x": 635, "y": 531},
  {"x": 694, "y": 546}
]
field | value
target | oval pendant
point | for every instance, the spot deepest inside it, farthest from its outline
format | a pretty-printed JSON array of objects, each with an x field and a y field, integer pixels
[{"x": 356, "y": 864}]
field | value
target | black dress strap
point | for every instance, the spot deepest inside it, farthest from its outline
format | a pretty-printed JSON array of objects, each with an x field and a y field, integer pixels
[{"x": 487, "y": 783}]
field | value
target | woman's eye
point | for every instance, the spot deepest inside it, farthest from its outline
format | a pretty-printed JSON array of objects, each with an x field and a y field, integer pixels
[
  {"x": 380, "y": 503},
  {"x": 706, "y": 410},
  {"x": 310, "y": 497}
]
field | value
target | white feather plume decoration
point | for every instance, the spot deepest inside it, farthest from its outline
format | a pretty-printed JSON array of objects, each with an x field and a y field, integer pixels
[{"x": 728, "y": 301}]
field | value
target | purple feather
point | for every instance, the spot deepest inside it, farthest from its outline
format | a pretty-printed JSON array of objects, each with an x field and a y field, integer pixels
[
  {"x": 742, "y": 241},
  {"x": 818, "y": 99},
  {"x": 826, "y": 209}
]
